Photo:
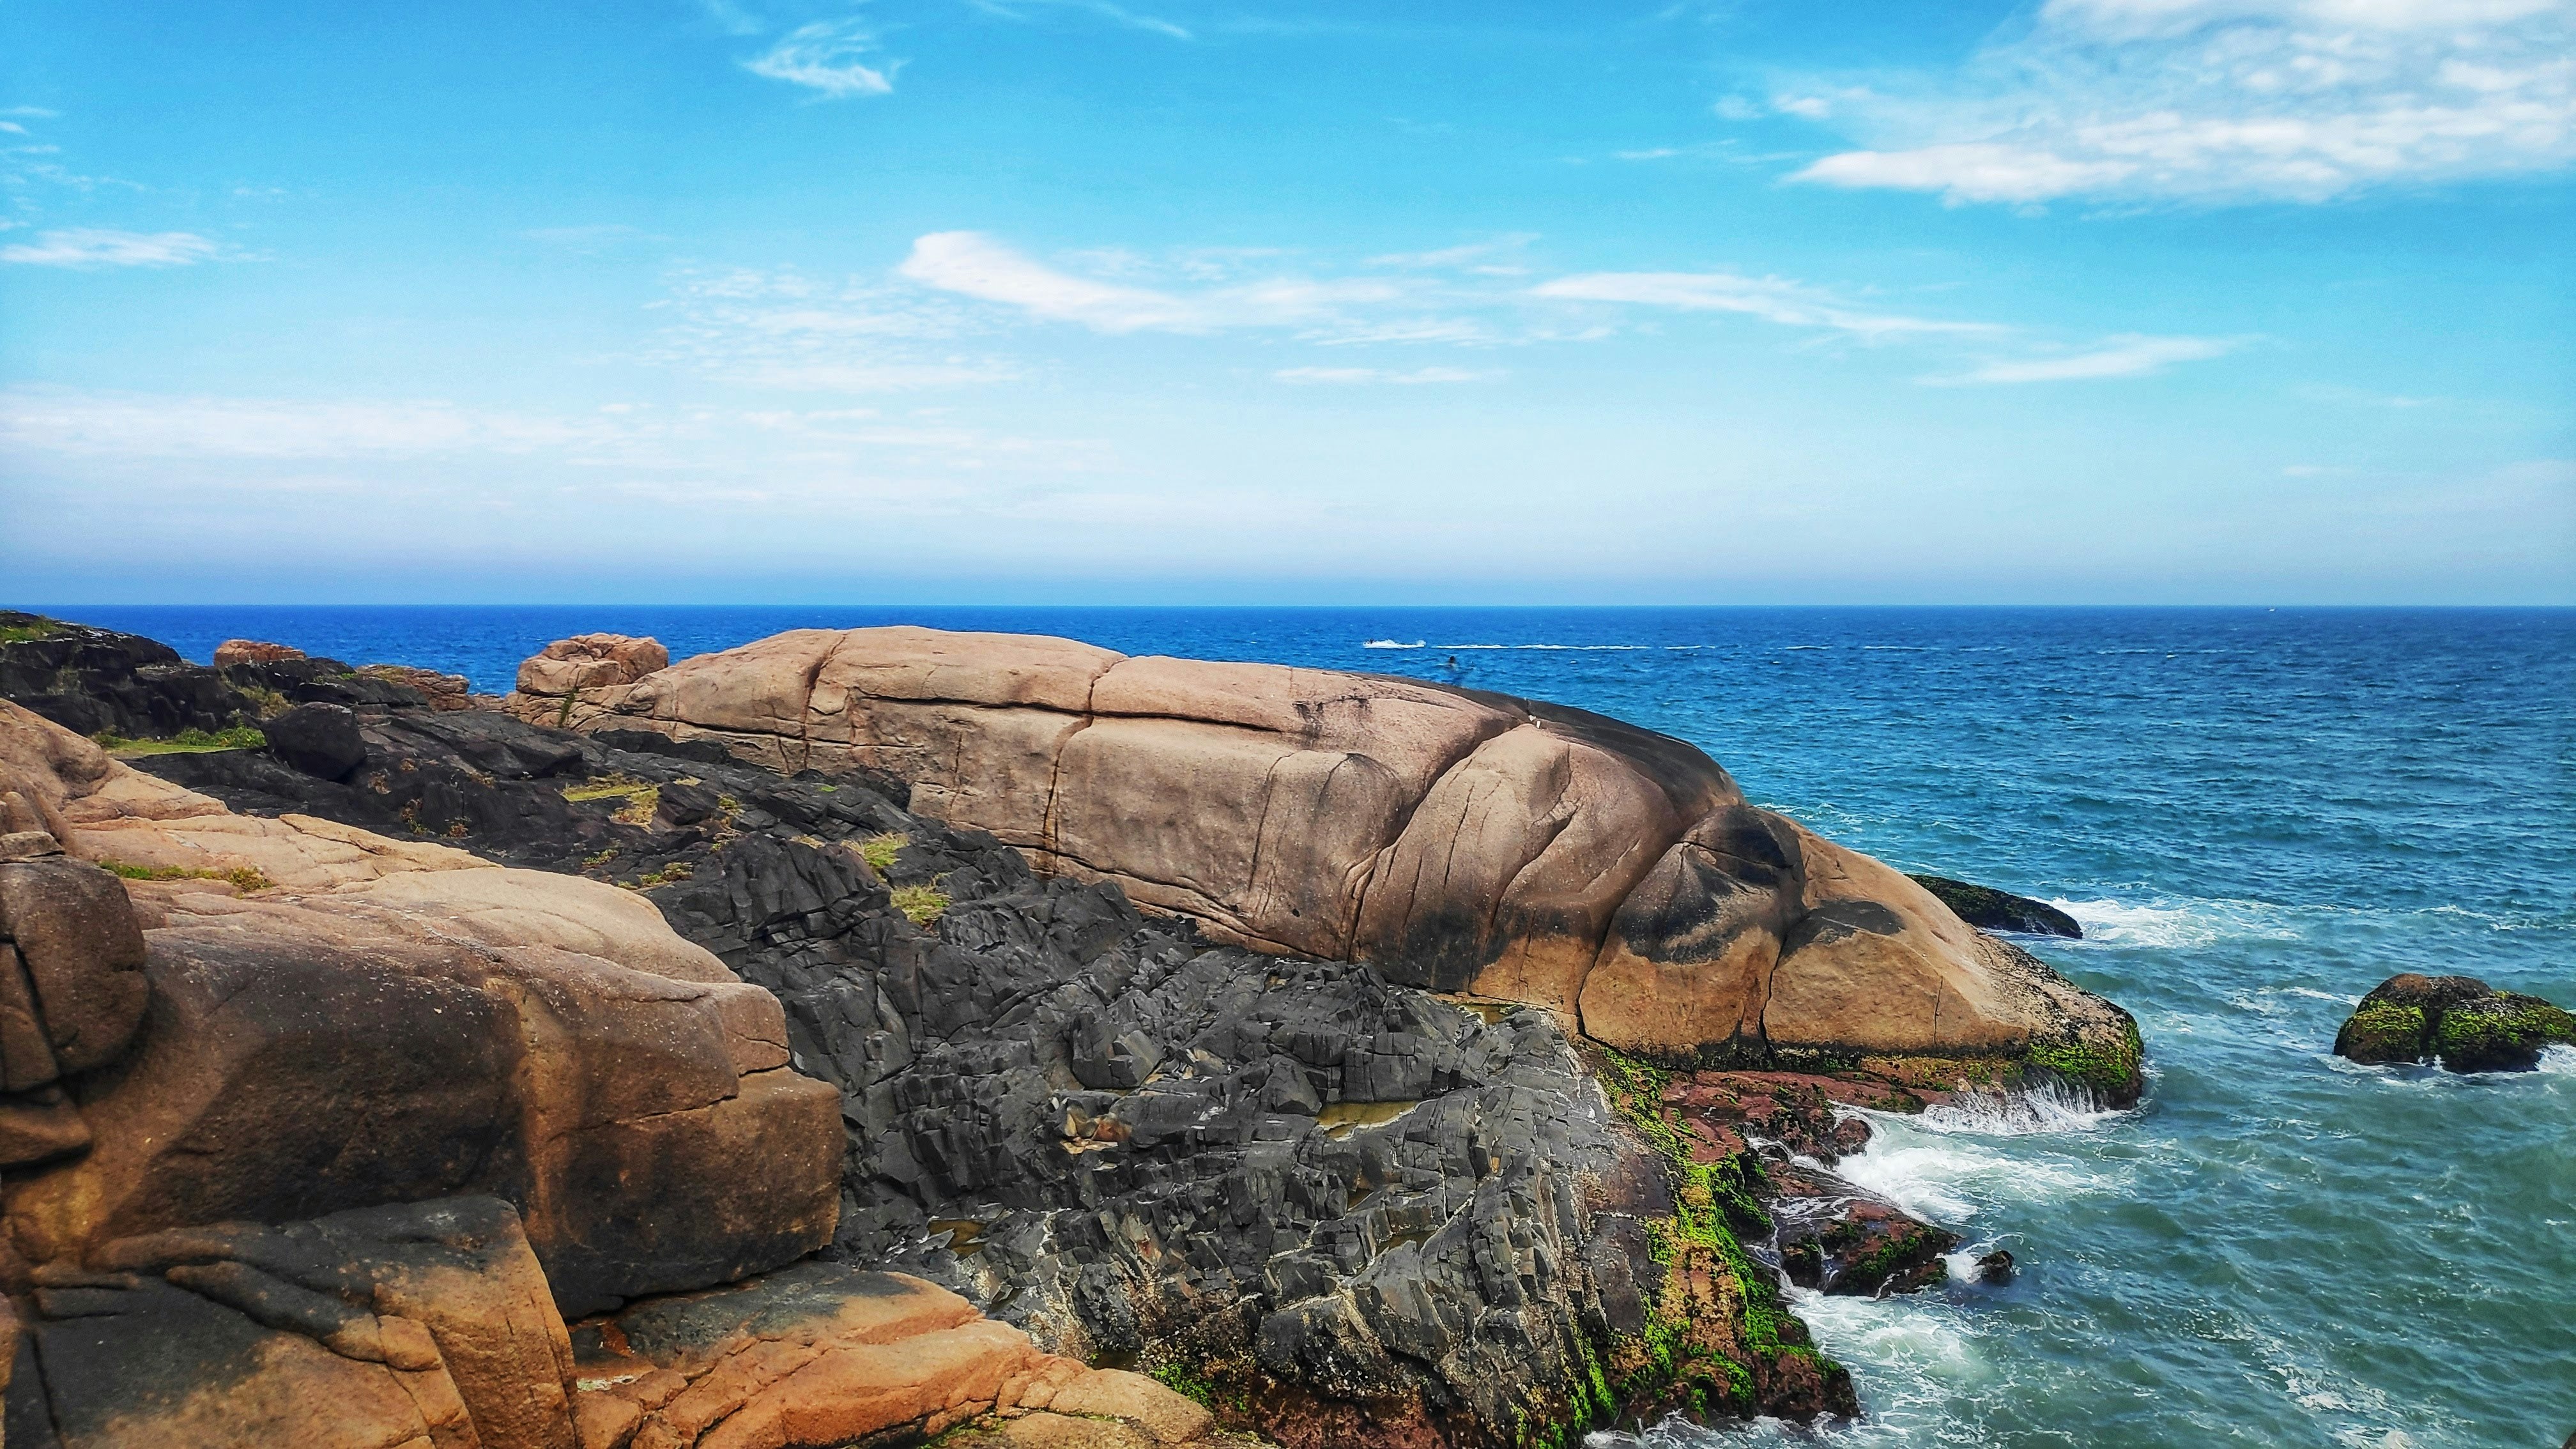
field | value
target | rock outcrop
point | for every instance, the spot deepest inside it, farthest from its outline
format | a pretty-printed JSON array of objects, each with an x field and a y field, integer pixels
[
  {"x": 99, "y": 682},
  {"x": 1332, "y": 1204},
  {"x": 254, "y": 651},
  {"x": 1989, "y": 909},
  {"x": 1457, "y": 840},
  {"x": 2460, "y": 1021}
]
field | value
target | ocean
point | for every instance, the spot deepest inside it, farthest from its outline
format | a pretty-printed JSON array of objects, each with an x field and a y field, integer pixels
[{"x": 2256, "y": 814}]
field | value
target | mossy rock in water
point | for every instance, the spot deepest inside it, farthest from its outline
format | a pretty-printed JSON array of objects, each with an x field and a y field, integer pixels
[{"x": 2466, "y": 1024}]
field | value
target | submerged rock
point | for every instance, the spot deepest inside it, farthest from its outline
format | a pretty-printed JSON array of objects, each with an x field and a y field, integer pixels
[
  {"x": 2461, "y": 1021},
  {"x": 1989, "y": 909}
]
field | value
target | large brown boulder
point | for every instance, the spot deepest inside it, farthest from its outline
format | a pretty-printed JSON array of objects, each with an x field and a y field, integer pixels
[
  {"x": 292, "y": 1018},
  {"x": 1459, "y": 840},
  {"x": 417, "y": 1324},
  {"x": 827, "y": 1354}
]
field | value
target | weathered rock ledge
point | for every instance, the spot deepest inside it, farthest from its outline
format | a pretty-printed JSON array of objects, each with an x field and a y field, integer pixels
[{"x": 1459, "y": 841}]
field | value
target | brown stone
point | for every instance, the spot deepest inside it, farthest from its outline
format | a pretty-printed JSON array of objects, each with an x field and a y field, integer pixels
[
  {"x": 82, "y": 955},
  {"x": 445, "y": 692},
  {"x": 253, "y": 651},
  {"x": 425, "y": 1324},
  {"x": 591, "y": 661},
  {"x": 393, "y": 1021},
  {"x": 827, "y": 1354}
]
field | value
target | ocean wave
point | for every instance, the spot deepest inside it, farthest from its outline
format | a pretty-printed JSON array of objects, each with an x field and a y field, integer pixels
[
  {"x": 2048, "y": 1107},
  {"x": 2558, "y": 1061},
  {"x": 1390, "y": 644},
  {"x": 2168, "y": 923},
  {"x": 1950, "y": 1179}
]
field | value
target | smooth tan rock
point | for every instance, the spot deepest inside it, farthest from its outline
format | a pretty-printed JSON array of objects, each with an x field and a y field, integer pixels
[
  {"x": 1166, "y": 1417},
  {"x": 1461, "y": 841},
  {"x": 590, "y": 661},
  {"x": 826, "y": 1354},
  {"x": 391, "y": 1022},
  {"x": 1507, "y": 874},
  {"x": 1685, "y": 970}
]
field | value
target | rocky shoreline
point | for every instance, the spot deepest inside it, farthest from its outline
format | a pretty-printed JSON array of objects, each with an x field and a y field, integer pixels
[{"x": 1318, "y": 1199}]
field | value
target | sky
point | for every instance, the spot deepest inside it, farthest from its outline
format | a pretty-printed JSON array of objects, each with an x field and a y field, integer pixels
[{"x": 1173, "y": 301}]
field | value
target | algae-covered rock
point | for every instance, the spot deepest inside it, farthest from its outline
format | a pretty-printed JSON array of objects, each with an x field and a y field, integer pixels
[{"x": 2461, "y": 1021}]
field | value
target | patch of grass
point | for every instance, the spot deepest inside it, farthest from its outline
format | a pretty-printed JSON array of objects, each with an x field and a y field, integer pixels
[
  {"x": 594, "y": 862},
  {"x": 923, "y": 905},
  {"x": 242, "y": 878},
  {"x": 265, "y": 702},
  {"x": 189, "y": 741},
  {"x": 879, "y": 851},
  {"x": 28, "y": 633},
  {"x": 642, "y": 797},
  {"x": 677, "y": 870}
]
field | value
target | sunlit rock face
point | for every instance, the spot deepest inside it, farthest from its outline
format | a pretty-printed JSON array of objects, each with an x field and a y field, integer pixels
[{"x": 1458, "y": 840}]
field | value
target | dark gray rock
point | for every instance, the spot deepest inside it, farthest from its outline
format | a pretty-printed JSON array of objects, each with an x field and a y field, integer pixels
[
  {"x": 1989, "y": 909},
  {"x": 320, "y": 740}
]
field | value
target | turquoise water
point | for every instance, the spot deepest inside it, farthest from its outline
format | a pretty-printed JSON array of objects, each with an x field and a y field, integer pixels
[{"x": 2257, "y": 815}]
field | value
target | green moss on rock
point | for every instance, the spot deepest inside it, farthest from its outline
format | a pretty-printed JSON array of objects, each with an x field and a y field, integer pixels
[{"x": 2466, "y": 1024}]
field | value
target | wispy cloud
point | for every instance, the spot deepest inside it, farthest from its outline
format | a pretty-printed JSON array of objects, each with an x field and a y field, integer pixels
[
  {"x": 86, "y": 247},
  {"x": 1115, "y": 14},
  {"x": 970, "y": 264},
  {"x": 1366, "y": 376},
  {"x": 1497, "y": 258},
  {"x": 827, "y": 56},
  {"x": 790, "y": 332},
  {"x": 2219, "y": 101},
  {"x": 2125, "y": 356},
  {"x": 1773, "y": 299}
]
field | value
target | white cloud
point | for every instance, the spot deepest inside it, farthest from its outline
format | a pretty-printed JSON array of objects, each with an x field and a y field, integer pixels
[
  {"x": 1379, "y": 375},
  {"x": 826, "y": 56},
  {"x": 970, "y": 264},
  {"x": 1791, "y": 304},
  {"x": 1115, "y": 14},
  {"x": 1975, "y": 171},
  {"x": 97, "y": 247},
  {"x": 2125, "y": 356},
  {"x": 2220, "y": 101}
]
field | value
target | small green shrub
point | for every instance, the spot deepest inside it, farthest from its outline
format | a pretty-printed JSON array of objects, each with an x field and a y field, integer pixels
[
  {"x": 923, "y": 905},
  {"x": 879, "y": 851}
]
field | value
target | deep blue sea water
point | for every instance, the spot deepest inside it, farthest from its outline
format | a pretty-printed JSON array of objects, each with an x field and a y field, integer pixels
[{"x": 2258, "y": 815}]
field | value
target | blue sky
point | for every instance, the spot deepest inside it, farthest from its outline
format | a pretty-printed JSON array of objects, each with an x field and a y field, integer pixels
[{"x": 1069, "y": 300}]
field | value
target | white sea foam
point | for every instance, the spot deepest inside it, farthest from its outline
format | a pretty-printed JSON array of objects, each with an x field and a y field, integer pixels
[
  {"x": 2048, "y": 1107},
  {"x": 2558, "y": 1061},
  {"x": 1391, "y": 644},
  {"x": 2170, "y": 923}
]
